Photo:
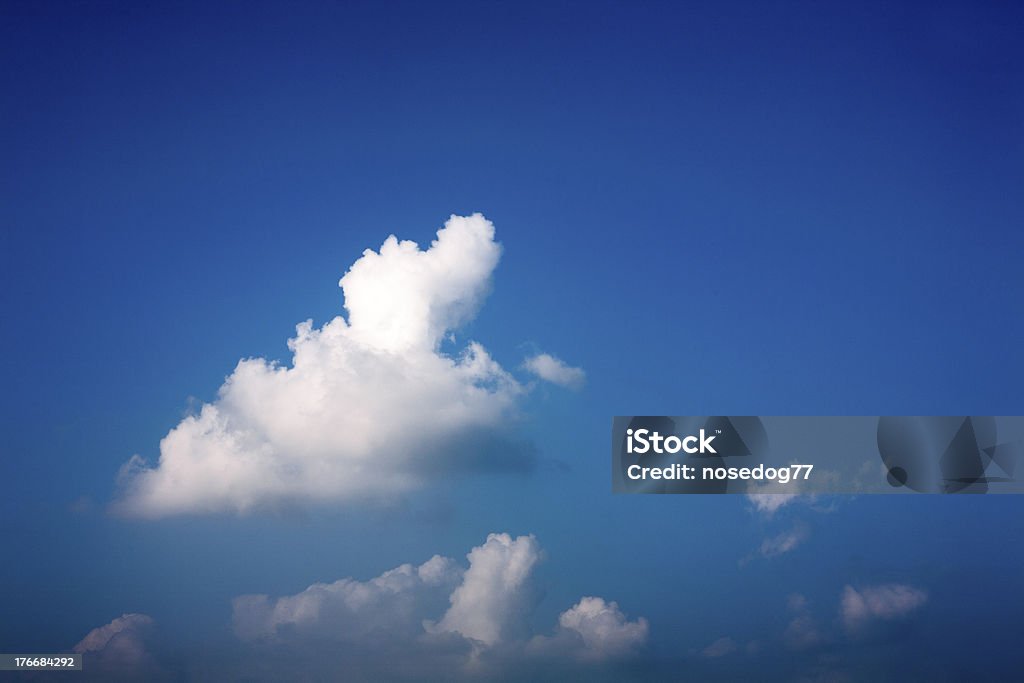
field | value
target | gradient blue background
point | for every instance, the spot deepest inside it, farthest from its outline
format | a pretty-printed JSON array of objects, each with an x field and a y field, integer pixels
[{"x": 713, "y": 208}]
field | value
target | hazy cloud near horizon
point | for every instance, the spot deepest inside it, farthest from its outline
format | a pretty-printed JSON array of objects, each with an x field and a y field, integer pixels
[{"x": 469, "y": 617}]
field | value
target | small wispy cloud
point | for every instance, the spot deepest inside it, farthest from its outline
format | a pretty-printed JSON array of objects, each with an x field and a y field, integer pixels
[
  {"x": 802, "y": 631},
  {"x": 554, "y": 370},
  {"x": 770, "y": 503},
  {"x": 782, "y": 543},
  {"x": 720, "y": 648},
  {"x": 860, "y": 606}
]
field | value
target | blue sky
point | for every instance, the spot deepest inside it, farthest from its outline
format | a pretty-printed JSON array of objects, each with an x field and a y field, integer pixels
[{"x": 708, "y": 207}]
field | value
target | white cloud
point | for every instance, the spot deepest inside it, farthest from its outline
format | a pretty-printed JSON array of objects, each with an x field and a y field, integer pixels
[
  {"x": 484, "y": 613},
  {"x": 605, "y": 630},
  {"x": 492, "y": 593},
  {"x": 783, "y": 543},
  {"x": 119, "y": 648},
  {"x": 721, "y": 647},
  {"x": 553, "y": 370},
  {"x": 391, "y": 603},
  {"x": 369, "y": 406},
  {"x": 858, "y": 607},
  {"x": 802, "y": 631},
  {"x": 770, "y": 503},
  {"x": 119, "y": 629}
]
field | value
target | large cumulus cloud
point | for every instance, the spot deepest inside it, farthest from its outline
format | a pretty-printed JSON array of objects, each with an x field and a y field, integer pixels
[{"x": 370, "y": 406}]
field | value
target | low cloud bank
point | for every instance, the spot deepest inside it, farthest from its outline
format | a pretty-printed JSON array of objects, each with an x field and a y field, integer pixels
[{"x": 474, "y": 618}]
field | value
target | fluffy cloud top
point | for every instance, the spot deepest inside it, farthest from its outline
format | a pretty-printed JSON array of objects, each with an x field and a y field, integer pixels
[
  {"x": 858, "y": 607},
  {"x": 493, "y": 589},
  {"x": 488, "y": 608},
  {"x": 553, "y": 370},
  {"x": 369, "y": 406},
  {"x": 604, "y": 628},
  {"x": 404, "y": 299}
]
